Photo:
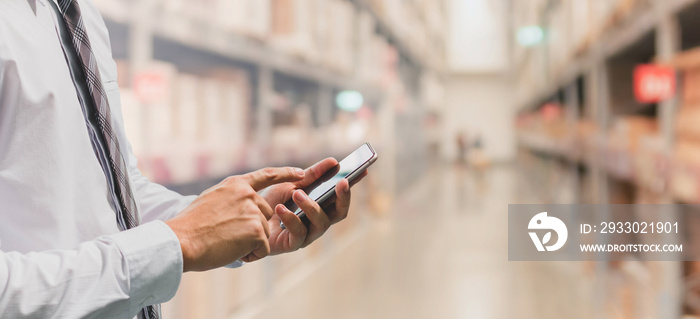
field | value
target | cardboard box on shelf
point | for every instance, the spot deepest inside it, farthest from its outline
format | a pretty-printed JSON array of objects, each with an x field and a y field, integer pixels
[
  {"x": 199, "y": 10},
  {"x": 580, "y": 12},
  {"x": 339, "y": 51},
  {"x": 688, "y": 62},
  {"x": 134, "y": 127},
  {"x": 365, "y": 57},
  {"x": 182, "y": 150},
  {"x": 320, "y": 29},
  {"x": 123, "y": 73},
  {"x": 687, "y": 127},
  {"x": 623, "y": 8},
  {"x": 292, "y": 28},
  {"x": 131, "y": 114},
  {"x": 371, "y": 63},
  {"x": 153, "y": 87},
  {"x": 602, "y": 14},
  {"x": 585, "y": 129},
  {"x": 629, "y": 130},
  {"x": 237, "y": 127},
  {"x": 283, "y": 22},
  {"x": 211, "y": 109},
  {"x": 688, "y": 59},
  {"x": 395, "y": 16},
  {"x": 237, "y": 94},
  {"x": 651, "y": 164},
  {"x": 248, "y": 18},
  {"x": 558, "y": 40},
  {"x": 434, "y": 17},
  {"x": 691, "y": 87},
  {"x": 685, "y": 172},
  {"x": 691, "y": 223},
  {"x": 687, "y": 151},
  {"x": 556, "y": 130},
  {"x": 379, "y": 6},
  {"x": 220, "y": 116},
  {"x": 212, "y": 136},
  {"x": 186, "y": 113}
]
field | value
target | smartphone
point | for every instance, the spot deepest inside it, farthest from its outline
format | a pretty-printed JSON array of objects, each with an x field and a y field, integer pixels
[{"x": 324, "y": 187}]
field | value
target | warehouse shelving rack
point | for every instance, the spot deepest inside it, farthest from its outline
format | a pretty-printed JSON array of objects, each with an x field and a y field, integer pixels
[
  {"x": 141, "y": 32},
  {"x": 602, "y": 77}
]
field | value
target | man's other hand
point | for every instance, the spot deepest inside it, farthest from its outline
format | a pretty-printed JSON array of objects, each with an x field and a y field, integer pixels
[{"x": 297, "y": 235}]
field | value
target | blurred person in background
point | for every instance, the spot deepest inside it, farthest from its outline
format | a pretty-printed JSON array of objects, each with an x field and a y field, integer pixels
[
  {"x": 479, "y": 161},
  {"x": 83, "y": 233},
  {"x": 462, "y": 148}
]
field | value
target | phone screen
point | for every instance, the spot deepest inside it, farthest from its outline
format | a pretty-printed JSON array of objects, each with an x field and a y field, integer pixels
[{"x": 326, "y": 183}]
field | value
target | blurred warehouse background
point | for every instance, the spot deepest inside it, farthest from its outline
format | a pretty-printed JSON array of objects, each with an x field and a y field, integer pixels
[{"x": 471, "y": 104}]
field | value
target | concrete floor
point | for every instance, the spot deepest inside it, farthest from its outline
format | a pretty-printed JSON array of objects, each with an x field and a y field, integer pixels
[{"x": 441, "y": 253}]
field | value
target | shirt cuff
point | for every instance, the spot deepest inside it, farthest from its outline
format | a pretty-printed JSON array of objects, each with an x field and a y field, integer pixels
[
  {"x": 186, "y": 201},
  {"x": 235, "y": 264},
  {"x": 154, "y": 262}
]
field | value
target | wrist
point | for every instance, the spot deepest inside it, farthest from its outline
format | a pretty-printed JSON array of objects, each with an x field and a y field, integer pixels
[{"x": 186, "y": 246}]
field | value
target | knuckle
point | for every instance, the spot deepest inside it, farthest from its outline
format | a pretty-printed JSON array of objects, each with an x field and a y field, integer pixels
[
  {"x": 231, "y": 187},
  {"x": 259, "y": 232},
  {"x": 269, "y": 173},
  {"x": 325, "y": 223},
  {"x": 230, "y": 180},
  {"x": 251, "y": 208},
  {"x": 254, "y": 229},
  {"x": 243, "y": 191},
  {"x": 217, "y": 189},
  {"x": 248, "y": 193}
]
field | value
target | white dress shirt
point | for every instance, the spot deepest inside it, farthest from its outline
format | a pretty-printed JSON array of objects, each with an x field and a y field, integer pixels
[{"x": 61, "y": 252}]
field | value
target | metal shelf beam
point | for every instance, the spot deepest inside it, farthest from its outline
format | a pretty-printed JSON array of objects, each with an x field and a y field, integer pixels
[
  {"x": 614, "y": 41},
  {"x": 204, "y": 37}
]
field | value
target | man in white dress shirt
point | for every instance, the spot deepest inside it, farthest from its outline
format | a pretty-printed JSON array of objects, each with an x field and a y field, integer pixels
[{"x": 62, "y": 253}]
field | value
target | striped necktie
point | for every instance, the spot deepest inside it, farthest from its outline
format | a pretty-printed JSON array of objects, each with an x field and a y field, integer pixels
[{"x": 95, "y": 107}]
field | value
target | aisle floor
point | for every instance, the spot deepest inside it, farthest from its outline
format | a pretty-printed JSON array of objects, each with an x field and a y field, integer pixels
[{"x": 441, "y": 253}]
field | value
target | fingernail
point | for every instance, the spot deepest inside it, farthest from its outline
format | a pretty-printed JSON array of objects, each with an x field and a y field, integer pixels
[
  {"x": 302, "y": 195},
  {"x": 299, "y": 171},
  {"x": 346, "y": 189}
]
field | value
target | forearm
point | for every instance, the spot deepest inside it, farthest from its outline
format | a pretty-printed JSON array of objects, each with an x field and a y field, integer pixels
[{"x": 112, "y": 276}]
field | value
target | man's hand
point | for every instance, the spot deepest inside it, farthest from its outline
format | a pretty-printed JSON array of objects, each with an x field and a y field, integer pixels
[
  {"x": 297, "y": 235},
  {"x": 230, "y": 220}
]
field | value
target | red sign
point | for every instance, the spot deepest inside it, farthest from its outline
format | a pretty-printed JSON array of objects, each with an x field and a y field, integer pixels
[
  {"x": 551, "y": 111},
  {"x": 654, "y": 83},
  {"x": 150, "y": 86}
]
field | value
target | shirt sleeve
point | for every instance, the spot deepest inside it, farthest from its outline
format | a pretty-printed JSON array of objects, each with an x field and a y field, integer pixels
[{"x": 112, "y": 276}]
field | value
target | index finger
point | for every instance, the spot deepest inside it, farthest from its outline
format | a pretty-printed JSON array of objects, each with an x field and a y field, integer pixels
[{"x": 273, "y": 175}]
